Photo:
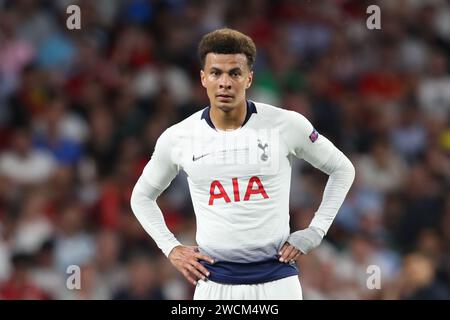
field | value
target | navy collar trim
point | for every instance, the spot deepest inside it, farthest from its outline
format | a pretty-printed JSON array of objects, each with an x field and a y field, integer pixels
[{"x": 251, "y": 108}]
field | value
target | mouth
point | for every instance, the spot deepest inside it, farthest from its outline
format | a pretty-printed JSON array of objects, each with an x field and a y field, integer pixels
[{"x": 224, "y": 97}]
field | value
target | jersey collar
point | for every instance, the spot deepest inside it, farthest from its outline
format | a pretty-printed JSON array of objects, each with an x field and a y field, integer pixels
[{"x": 251, "y": 108}]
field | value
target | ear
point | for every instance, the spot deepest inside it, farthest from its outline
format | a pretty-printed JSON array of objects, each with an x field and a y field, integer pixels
[
  {"x": 249, "y": 80},
  {"x": 202, "y": 78}
]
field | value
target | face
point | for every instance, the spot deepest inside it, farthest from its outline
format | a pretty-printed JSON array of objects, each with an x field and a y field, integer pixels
[{"x": 226, "y": 77}]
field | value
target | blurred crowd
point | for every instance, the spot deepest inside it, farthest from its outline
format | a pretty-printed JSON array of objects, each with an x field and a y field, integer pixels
[{"x": 80, "y": 111}]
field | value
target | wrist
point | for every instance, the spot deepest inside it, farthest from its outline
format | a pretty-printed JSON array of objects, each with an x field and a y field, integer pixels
[{"x": 307, "y": 239}]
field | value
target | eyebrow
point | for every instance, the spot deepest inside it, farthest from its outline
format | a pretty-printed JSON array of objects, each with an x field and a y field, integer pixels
[{"x": 229, "y": 71}]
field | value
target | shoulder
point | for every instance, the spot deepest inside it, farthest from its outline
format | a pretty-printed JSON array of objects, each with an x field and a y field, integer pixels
[
  {"x": 182, "y": 128},
  {"x": 268, "y": 110},
  {"x": 193, "y": 119},
  {"x": 281, "y": 117},
  {"x": 295, "y": 129}
]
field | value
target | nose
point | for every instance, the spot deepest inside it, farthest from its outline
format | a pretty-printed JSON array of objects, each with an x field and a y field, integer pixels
[{"x": 225, "y": 81}]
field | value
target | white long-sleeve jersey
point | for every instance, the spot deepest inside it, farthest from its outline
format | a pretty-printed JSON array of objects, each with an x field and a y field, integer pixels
[{"x": 239, "y": 181}]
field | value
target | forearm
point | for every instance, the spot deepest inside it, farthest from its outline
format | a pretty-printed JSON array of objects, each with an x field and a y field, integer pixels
[
  {"x": 341, "y": 175},
  {"x": 146, "y": 210}
]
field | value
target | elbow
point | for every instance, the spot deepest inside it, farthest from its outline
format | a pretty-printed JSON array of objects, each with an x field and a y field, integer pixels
[
  {"x": 142, "y": 196},
  {"x": 345, "y": 170},
  {"x": 353, "y": 173},
  {"x": 136, "y": 199},
  {"x": 349, "y": 169},
  {"x": 133, "y": 200}
]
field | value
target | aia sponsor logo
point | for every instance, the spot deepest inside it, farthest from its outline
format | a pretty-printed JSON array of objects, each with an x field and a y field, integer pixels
[{"x": 254, "y": 188}]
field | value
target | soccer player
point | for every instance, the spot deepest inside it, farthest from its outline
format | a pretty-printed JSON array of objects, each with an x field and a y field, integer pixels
[{"x": 237, "y": 155}]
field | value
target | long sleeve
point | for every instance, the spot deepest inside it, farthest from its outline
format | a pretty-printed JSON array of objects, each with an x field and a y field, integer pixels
[
  {"x": 341, "y": 175},
  {"x": 146, "y": 210},
  {"x": 306, "y": 143},
  {"x": 156, "y": 177}
]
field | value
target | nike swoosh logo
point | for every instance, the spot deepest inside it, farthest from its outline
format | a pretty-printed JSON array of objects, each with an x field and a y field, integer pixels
[{"x": 194, "y": 158}]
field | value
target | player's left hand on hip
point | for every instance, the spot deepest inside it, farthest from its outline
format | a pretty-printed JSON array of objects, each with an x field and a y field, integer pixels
[
  {"x": 289, "y": 253},
  {"x": 305, "y": 240}
]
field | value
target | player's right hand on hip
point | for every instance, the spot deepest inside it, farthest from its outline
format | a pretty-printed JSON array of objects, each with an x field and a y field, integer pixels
[{"x": 185, "y": 259}]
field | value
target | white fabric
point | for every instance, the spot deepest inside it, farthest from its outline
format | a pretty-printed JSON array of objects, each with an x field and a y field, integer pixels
[
  {"x": 283, "y": 289},
  {"x": 307, "y": 239},
  {"x": 341, "y": 175},
  {"x": 143, "y": 203},
  {"x": 243, "y": 225}
]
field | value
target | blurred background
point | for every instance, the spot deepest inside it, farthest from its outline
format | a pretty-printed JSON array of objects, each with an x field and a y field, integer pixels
[{"x": 80, "y": 111}]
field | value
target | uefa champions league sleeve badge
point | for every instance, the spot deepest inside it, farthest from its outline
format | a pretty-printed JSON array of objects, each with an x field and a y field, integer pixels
[{"x": 314, "y": 135}]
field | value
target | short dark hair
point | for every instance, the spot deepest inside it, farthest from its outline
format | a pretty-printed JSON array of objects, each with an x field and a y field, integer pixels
[{"x": 227, "y": 41}]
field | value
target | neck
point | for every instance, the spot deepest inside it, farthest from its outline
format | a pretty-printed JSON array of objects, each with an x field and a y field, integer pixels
[{"x": 228, "y": 119}]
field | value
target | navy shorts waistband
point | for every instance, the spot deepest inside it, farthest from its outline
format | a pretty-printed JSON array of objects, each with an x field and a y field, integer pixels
[{"x": 249, "y": 273}]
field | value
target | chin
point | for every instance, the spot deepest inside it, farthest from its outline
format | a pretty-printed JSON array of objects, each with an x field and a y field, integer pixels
[{"x": 225, "y": 107}]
